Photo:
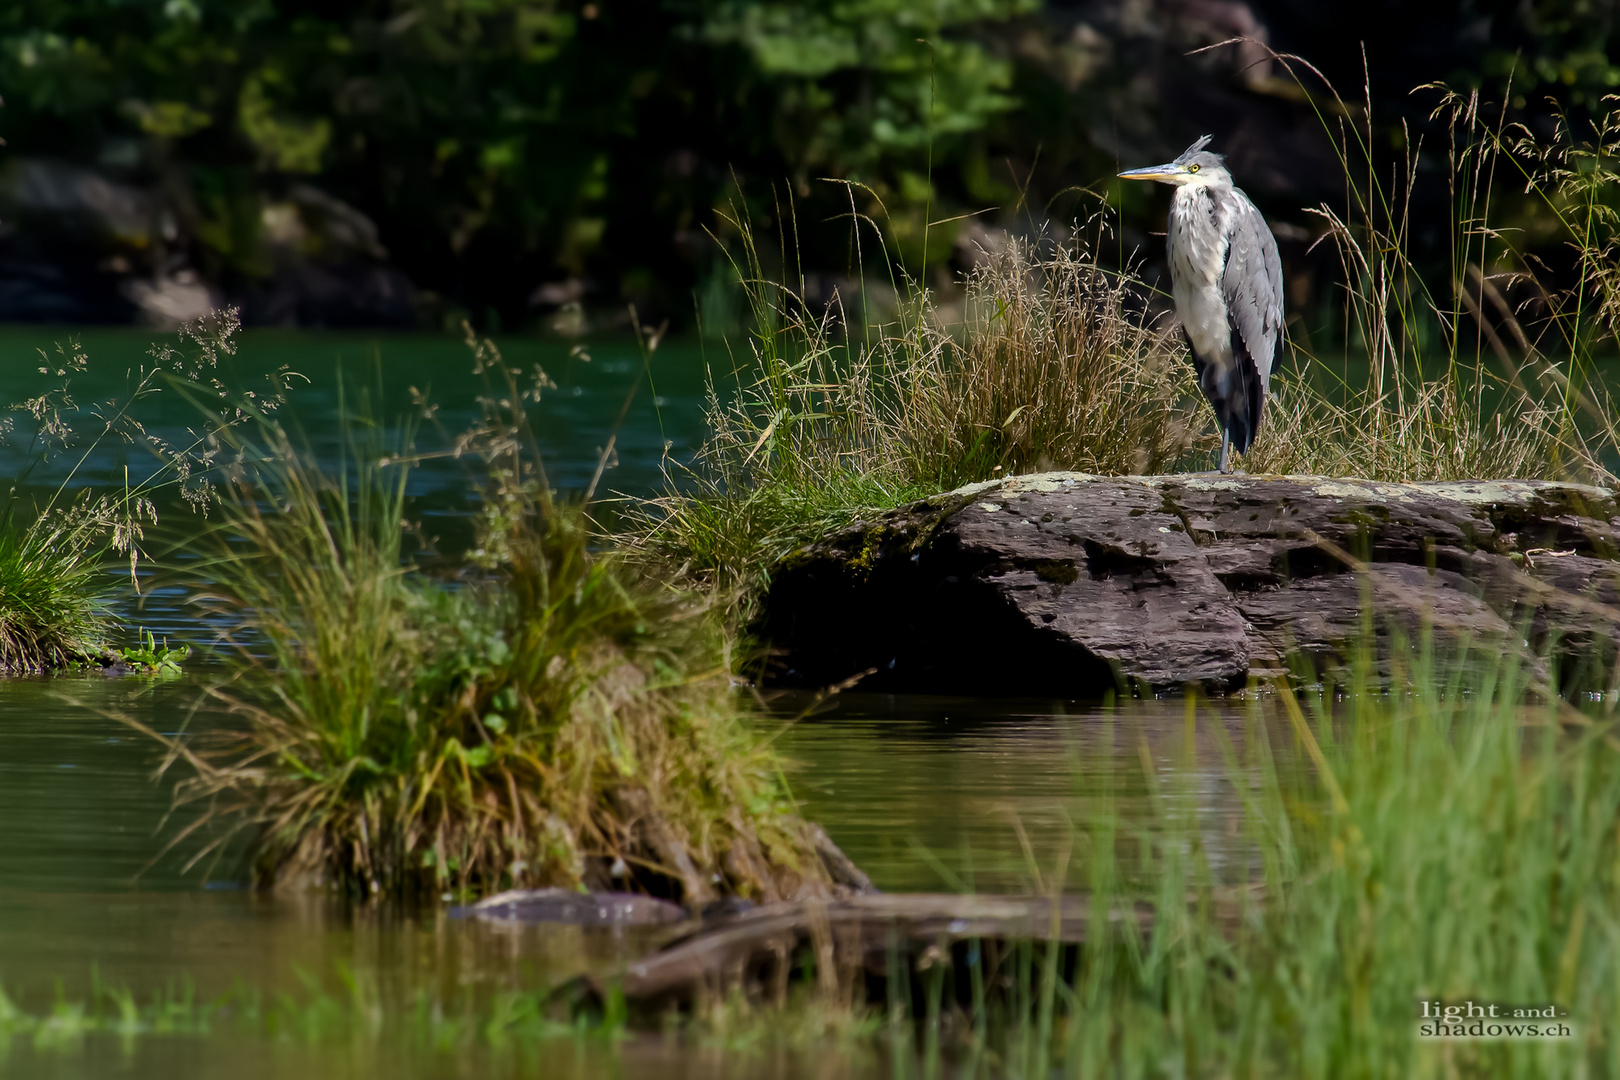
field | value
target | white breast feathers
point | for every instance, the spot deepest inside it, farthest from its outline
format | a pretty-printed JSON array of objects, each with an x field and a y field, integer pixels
[{"x": 1197, "y": 245}]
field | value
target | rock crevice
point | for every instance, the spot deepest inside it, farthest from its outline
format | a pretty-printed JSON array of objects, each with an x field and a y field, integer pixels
[{"x": 1070, "y": 584}]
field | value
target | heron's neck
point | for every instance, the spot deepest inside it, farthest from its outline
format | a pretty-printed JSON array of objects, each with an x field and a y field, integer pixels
[{"x": 1201, "y": 189}]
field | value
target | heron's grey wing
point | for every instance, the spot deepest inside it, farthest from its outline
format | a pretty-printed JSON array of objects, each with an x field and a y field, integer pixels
[{"x": 1251, "y": 284}]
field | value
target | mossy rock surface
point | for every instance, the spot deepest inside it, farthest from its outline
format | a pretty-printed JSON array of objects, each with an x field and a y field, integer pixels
[{"x": 1069, "y": 584}]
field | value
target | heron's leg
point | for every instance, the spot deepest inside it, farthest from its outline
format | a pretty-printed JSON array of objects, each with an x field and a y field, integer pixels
[{"x": 1226, "y": 451}]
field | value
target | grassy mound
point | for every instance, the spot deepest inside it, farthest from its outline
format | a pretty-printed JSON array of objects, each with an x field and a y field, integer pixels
[{"x": 551, "y": 720}]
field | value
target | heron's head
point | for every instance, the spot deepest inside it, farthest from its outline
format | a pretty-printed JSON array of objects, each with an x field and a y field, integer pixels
[{"x": 1195, "y": 166}]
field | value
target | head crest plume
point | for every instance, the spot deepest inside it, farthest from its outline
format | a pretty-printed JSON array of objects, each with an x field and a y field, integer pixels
[{"x": 1194, "y": 148}]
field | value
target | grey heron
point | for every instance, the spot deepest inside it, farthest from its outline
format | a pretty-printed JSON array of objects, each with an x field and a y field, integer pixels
[{"x": 1227, "y": 282}]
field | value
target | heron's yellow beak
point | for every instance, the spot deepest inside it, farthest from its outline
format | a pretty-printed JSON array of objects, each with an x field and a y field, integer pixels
[{"x": 1166, "y": 173}]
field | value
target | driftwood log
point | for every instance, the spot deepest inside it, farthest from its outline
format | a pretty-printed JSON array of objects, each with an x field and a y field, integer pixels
[
  {"x": 1072, "y": 585},
  {"x": 858, "y": 948}
]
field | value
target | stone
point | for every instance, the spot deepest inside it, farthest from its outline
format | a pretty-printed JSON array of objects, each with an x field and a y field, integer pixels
[
  {"x": 80, "y": 245},
  {"x": 572, "y": 908},
  {"x": 1071, "y": 585}
]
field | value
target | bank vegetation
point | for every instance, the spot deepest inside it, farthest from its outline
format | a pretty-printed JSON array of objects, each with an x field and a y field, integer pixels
[
  {"x": 551, "y": 717},
  {"x": 1059, "y": 358}
]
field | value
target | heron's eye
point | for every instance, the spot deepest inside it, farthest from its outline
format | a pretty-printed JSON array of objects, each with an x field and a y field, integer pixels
[{"x": 1192, "y": 168}]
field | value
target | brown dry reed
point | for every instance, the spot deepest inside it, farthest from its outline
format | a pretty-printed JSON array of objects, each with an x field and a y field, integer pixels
[
  {"x": 1052, "y": 366},
  {"x": 1486, "y": 372},
  {"x": 1054, "y": 360},
  {"x": 554, "y": 720}
]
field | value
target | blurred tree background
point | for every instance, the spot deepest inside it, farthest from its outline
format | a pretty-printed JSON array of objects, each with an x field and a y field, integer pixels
[{"x": 411, "y": 162}]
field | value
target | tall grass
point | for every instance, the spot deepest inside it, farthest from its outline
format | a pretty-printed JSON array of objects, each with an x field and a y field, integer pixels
[
  {"x": 553, "y": 719},
  {"x": 1488, "y": 369},
  {"x": 1447, "y": 842},
  {"x": 1056, "y": 360},
  {"x": 1453, "y": 840},
  {"x": 55, "y": 589},
  {"x": 1054, "y": 365}
]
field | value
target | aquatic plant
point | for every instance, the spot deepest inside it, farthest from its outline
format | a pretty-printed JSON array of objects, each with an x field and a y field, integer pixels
[
  {"x": 551, "y": 718},
  {"x": 148, "y": 657},
  {"x": 347, "y": 1007},
  {"x": 1449, "y": 841}
]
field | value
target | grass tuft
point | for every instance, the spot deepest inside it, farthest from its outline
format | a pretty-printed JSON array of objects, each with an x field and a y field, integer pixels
[
  {"x": 553, "y": 719},
  {"x": 1054, "y": 366},
  {"x": 54, "y": 592}
]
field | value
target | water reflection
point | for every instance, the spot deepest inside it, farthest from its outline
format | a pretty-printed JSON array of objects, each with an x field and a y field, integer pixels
[
  {"x": 84, "y": 878},
  {"x": 931, "y": 793},
  {"x": 924, "y": 793}
]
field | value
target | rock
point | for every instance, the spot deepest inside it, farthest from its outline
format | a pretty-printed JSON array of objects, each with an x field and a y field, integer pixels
[
  {"x": 331, "y": 268},
  {"x": 60, "y": 225},
  {"x": 341, "y": 295},
  {"x": 81, "y": 198},
  {"x": 575, "y": 908},
  {"x": 1071, "y": 585},
  {"x": 78, "y": 245},
  {"x": 168, "y": 302}
]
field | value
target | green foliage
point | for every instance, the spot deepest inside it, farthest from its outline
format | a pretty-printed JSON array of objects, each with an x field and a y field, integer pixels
[
  {"x": 914, "y": 97},
  {"x": 556, "y": 720},
  {"x": 499, "y": 144},
  {"x": 1564, "y": 52},
  {"x": 488, "y": 135},
  {"x": 150, "y": 658}
]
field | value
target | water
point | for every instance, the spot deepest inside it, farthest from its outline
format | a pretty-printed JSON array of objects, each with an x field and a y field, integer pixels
[
  {"x": 924, "y": 793},
  {"x": 950, "y": 794}
]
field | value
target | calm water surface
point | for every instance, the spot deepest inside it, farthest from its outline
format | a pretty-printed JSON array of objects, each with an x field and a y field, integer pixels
[{"x": 924, "y": 793}]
